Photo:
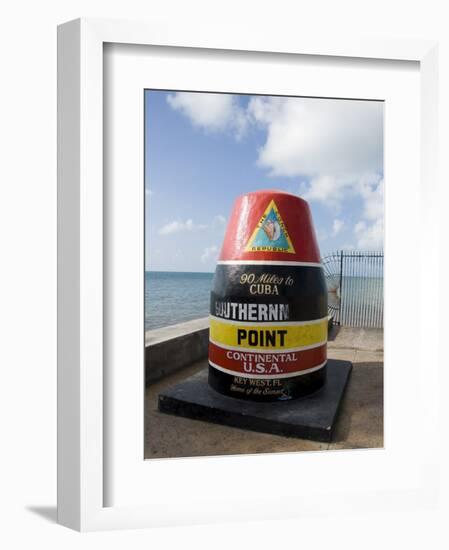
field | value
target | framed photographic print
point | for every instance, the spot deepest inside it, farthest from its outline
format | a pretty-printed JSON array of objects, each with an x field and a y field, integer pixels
[{"x": 231, "y": 277}]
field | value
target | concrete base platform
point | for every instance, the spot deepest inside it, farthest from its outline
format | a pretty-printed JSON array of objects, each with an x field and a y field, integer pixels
[{"x": 313, "y": 417}]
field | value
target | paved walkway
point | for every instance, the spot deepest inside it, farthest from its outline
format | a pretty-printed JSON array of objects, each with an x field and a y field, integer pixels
[{"x": 360, "y": 423}]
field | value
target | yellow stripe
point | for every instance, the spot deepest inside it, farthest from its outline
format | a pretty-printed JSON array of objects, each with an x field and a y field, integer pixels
[{"x": 268, "y": 336}]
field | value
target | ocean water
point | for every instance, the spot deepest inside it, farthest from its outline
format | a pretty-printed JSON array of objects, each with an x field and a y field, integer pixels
[
  {"x": 175, "y": 297},
  {"x": 359, "y": 303}
]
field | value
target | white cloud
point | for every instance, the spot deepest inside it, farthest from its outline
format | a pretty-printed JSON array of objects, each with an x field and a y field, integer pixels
[
  {"x": 370, "y": 236},
  {"x": 180, "y": 226},
  {"x": 370, "y": 230},
  {"x": 330, "y": 190},
  {"x": 337, "y": 226},
  {"x": 210, "y": 254},
  {"x": 211, "y": 112},
  {"x": 148, "y": 192},
  {"x": 334, "y": 190},
  {"x": 373, "y": 196},
  {"x": 317, "y": 137}
]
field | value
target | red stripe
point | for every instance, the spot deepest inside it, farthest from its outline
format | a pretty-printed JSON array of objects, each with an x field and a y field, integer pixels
[
  {"x": 246, "y": 215},
  {"x": 286, "y": 362}
]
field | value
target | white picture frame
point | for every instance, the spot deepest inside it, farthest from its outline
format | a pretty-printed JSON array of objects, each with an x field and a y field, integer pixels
[{"x": 82, "y": 405}]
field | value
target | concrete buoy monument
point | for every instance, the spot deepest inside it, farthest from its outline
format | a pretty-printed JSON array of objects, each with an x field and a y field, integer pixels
[
  {"x": 268, "y": 313},
  {"x": 267, "y": 330}
]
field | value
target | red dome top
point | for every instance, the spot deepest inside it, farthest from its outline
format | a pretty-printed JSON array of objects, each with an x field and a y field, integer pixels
[{"x": 270, "y": 225}]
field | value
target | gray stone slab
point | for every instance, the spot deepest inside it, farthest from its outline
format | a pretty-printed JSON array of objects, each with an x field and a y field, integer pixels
[
  {"x": 313, "y": 417},
  {"x": 172, "y": 348}
]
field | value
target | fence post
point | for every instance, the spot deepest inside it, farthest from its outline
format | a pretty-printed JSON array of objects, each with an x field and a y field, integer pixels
[{"x": 341, "y": 288}]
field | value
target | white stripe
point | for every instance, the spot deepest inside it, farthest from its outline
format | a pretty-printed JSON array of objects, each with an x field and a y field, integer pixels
[
  {"x": 268, "y": 350},
  {"x": 264, "y": 376},
  {"x": 267, "y": 323},
  {"x": 267, "y": 262}
]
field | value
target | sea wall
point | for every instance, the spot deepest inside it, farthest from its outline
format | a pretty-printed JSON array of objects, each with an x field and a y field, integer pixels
[{"x": 169, "y": 349}]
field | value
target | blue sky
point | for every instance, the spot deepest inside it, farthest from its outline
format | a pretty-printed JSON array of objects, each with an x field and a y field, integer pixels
[{"x": 203, "y": 150}]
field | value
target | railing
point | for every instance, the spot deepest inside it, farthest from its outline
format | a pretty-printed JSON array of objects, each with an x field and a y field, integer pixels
[{"x": 355, "y": 287}]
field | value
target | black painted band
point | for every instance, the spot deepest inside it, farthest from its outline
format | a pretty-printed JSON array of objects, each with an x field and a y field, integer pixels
[{"x": 299, "y": 290}]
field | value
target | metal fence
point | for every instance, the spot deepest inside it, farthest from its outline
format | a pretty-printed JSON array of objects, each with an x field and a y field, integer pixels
[{"x": 355, "y": 287}]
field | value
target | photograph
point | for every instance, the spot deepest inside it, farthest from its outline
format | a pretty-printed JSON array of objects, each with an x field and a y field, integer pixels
[{"x": 264, "y": 239}]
